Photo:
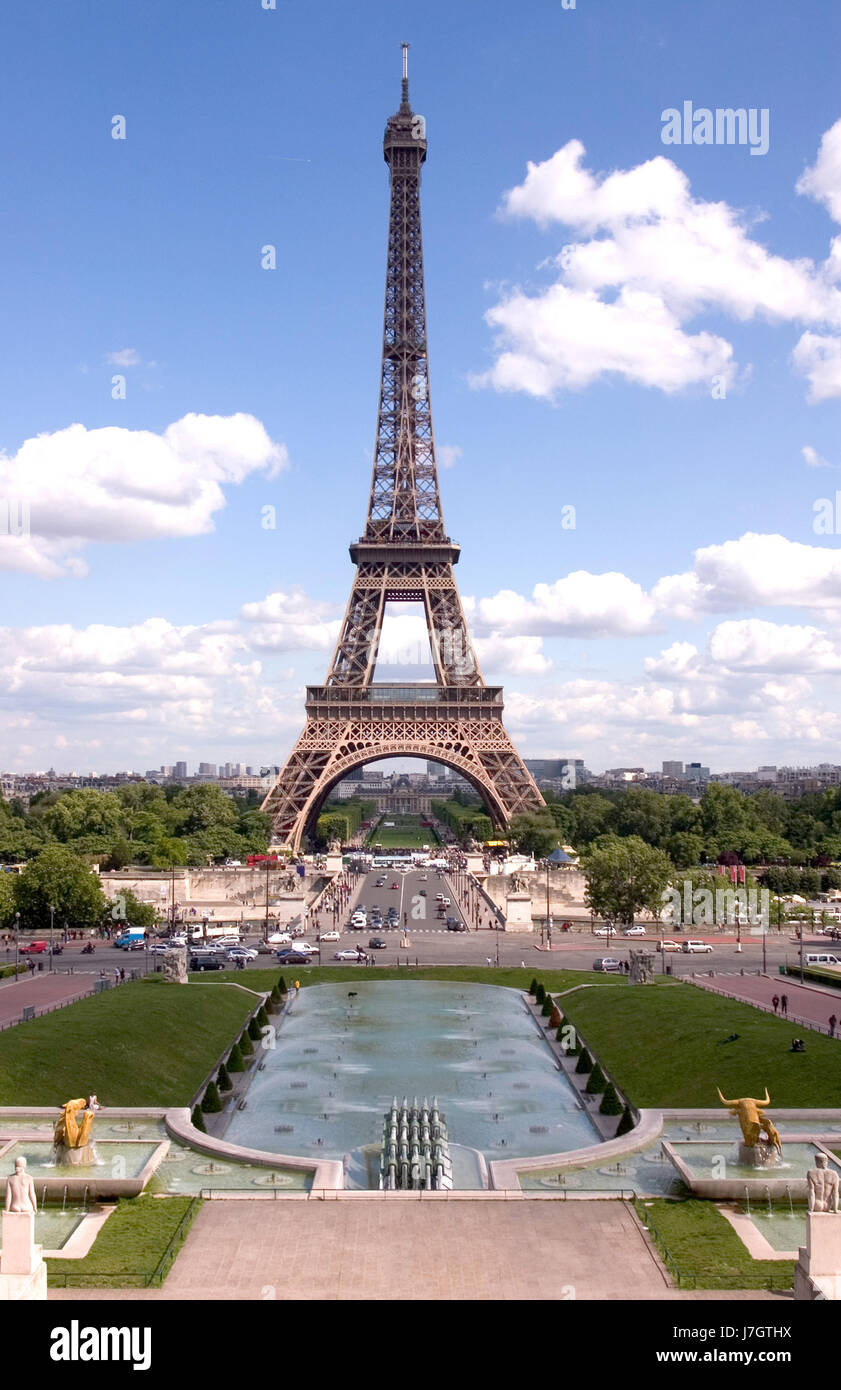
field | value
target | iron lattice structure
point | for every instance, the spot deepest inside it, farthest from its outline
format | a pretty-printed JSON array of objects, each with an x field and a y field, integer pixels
[{"x": 403, "y": 556}]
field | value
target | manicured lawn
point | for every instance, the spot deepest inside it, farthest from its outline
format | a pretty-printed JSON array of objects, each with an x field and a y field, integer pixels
[
  {"x": 141, "y": 1044},
  {"x": 666, "y": 1046},
  {"x": 702, "y": 1251},
  {"x": 135, "y": 1247},
  {"x": 406, "y": 833}
]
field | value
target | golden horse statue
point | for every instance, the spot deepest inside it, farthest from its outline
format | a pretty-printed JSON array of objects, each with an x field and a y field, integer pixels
[
  {"x": 73, "y": 1126},
  {"x": 748, "y": 1112}
]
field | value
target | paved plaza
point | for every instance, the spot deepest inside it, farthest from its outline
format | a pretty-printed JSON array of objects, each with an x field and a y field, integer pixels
[{"x": 355, "y": 1250}]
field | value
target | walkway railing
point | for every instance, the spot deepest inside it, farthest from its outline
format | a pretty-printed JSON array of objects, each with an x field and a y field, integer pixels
[
  {"x": 765, "y": 1007},
  {"x": 710, "y": 1278}
]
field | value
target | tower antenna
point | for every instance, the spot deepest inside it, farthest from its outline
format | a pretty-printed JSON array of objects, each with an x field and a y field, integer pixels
[{"x": 405, "y": 48}]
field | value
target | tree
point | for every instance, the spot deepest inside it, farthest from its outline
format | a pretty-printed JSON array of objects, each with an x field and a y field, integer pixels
[
  {"x": 585, "y": 1062},
  {"x": 611, "y": 1104},
  {"x": 58, "y": 879},
  {"x": 128, "y": 910},
  {"x": 223, "y": 1080},
  {"x": 623, "y": 876},
  {"x": 211, "y": 1100},
  {"x": 596, "y": 1081},
  {"x": 235, "y": 1062},
  {"x": 534, "y": 833},
  {"x": 8, "y": 899},
  {"x": 626, "y": 1124},
  {"x": 197, "y": 1119}
]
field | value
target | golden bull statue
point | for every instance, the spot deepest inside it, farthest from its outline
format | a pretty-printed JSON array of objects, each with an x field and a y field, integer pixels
[
  {"x": 749, "y": 1114},
  {"x": 73, "y": 1126}
]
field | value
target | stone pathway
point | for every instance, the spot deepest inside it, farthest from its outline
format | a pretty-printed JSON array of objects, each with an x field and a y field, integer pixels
[
  {"x": 807, "y": 1004},
  {"x": 359, "y": 1250},
  {"x": 43, "y": 991}
]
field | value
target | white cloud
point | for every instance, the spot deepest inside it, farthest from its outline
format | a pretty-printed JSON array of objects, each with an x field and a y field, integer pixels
[
  {"x": 448, "y": 454},
  {"x": 291, "y": 622},
  {"x": 519, "y": 656},
  {"x": 754, "y": 571},
  {"x": 650, "y": 257},
  {"x": 753, "y": 644},
  {"x": 818, "y": 357},
  {"x": 823, "y": 179},
  {"x": 582, "y": 604},
  {"x": 813, "y": 458},
  {"x": 115, "y": 484},
  {"x": 125, "y": 357}
]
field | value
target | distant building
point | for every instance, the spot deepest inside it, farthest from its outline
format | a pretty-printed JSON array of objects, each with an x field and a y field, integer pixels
[
  {"x": 208, "y": 769},
  {"x": 696, "y": 773},
  {"x": 672, "y": 769}
]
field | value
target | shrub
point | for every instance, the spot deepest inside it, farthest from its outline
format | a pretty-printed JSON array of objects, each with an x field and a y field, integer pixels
[
  {"x": 281, "y": 985},
  {"x": 585, "y": 1061},
  {"x": 559, "y": 1036},
  {"x": 262, "y": 1018},
  {"x": 533, "y": 988},
  {"x": 597, "y": 1081},
  {"x": 223, "y": 1081},
  {"x": 198, "y": 1119},
  {"x": 211, "y": 1101},
  {"x": 235, "y": 1062},
  {"x": 548, "y": 1006},
  {"x": 611, "y": 1104},
  {"x": 540, "y": 994},
  {"x": 246, "y": 1046},
  {"x": 254, "y": 1030},
  {"x": 626, "y": 1124},
  {"x": 275, "y": 995},
  {"x": 555, "y": 1017}
]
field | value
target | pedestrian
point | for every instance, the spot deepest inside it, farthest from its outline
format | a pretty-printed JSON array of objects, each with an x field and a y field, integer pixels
[
  {"x": 488, "y": 959},
  {"x": 832, "y": 1022},
  {"x": 784, "y": 1005},
  {"x": 776, "y": 1002},
  {"x": 297, "y": 985}
]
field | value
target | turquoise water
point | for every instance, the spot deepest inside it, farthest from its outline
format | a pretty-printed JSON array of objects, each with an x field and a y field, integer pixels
[
  {"x": 782, "y": 1229},
  {"x": 131, "y": 1158},
  {"x": 186, "y": 1171},
  {"x": 340, "y": 1057},
  {"x": 710, "y": 1159},
  {"x": 54, "y": 1227}
]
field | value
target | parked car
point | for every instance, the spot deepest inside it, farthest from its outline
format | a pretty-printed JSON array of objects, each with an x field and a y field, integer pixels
[
  {"x": 331, "y": 936},
  {"x": 158, "y": 948},
  {"x": 241, "y": 953},
  {"x": 350, "y": 955},
  {"x": 377, "y": 944},
  {"x": 280, "y": 938},
  {"x": 607, "y": 963},
  {"x": 633, "y": 931},
  {"x": 605, "y": 931},
  {"x": 697, "y": 948},
  {"x": 668, "y": 945}
]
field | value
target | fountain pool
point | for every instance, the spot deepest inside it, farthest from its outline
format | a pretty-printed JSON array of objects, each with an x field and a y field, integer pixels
[{"x": 339, "y": 1060}]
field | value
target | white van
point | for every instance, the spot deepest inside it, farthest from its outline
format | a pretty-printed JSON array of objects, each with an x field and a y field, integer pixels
[
  {"x": 821, "y": 958},
  {"x": 696, "y": 948}
]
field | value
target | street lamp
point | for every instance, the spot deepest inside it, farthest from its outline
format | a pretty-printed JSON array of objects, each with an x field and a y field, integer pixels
[
  {"x": 52, "y": 920},
  {"x": 17, "y": 941}
]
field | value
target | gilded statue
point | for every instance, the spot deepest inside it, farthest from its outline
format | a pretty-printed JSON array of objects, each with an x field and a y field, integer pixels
[
  {"x": 73, "y": 1126},
  {"x": 748, "y": 1112}
]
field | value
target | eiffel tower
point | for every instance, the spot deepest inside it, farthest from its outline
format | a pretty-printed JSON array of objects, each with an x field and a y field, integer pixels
[{"x": 404, "y": 556}]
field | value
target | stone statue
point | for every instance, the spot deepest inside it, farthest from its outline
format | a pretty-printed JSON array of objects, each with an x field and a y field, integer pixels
[
  {"x": 823, "y": 1185},
  {"x": 640, "y": 967},
  {"x": 175, "y": 966},
  {"x": 20, "y": 1190},
  {"x": 748, "y": 1112},
  {"x": 72, "y": 1134}
]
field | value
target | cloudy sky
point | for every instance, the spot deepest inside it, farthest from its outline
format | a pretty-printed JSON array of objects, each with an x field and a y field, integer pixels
[{"x": 635, "y": 366}]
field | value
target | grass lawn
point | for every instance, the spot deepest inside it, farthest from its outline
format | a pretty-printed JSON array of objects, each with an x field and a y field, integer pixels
[
  {"x": 665, "y": 1046},
  {"x": 406, "y": 833},
  {"x": 135, "y": 1247},
  {"x": 141, "y": 1044},
  {"x": 702, "y": 1251}
]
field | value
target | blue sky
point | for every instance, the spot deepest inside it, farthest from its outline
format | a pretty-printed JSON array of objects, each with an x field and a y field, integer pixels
[{"x": 693, "y": 611}]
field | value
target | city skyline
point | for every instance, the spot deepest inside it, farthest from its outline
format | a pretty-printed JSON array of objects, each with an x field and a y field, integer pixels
[{"x": 635, "y": 357}]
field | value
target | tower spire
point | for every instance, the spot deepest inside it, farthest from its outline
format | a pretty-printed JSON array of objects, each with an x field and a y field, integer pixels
[{"x": 404, "y": 104}]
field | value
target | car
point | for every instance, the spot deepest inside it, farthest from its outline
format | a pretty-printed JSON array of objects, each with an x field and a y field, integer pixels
[
  {"x": 290, "y": 957},
  {"x": 697, "y": 948},
  {"x": 207, "y": 962},
  {"x": 377, "y": 944},
  {"x": 395, "y": 885},
  {"x": 361, "y": 917},
  {"x": 668, "y": 945},
  {"x": 605, "y": 931},
  {"x": 331, "y": 936},
  {"x": 607, "y": 963},
  {"x": 633, "y": 931},
  {"x": 280, "y": 938},
  {"x": 159, "y": 948},
  {"x": 264, "y": 949},
  {"x": 241, "y": 953},
  {"x": 421, "y": 892},
  {"x": 424, "y": 878},
  {"x": 439, "y": 897},
  {"x": 350, "y": 955},
  {"x": 453, "y": 924},
  {"x": 35, "y": 948},
  {"x": 233, "y": 864}
]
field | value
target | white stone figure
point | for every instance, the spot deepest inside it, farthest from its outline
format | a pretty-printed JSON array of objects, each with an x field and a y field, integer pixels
[
  {"x": 823, "y": 1183},
  {"x": 20, "y": 1190}
]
